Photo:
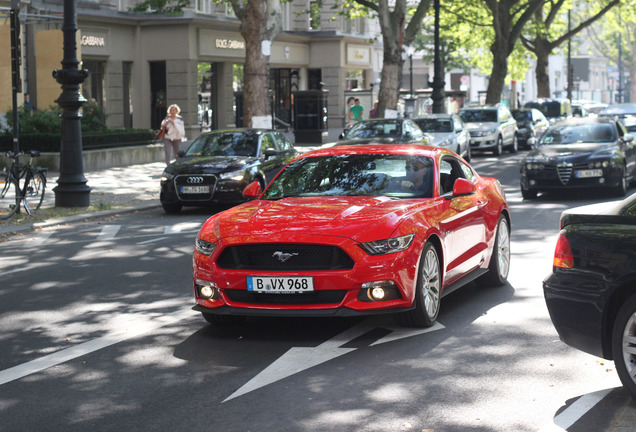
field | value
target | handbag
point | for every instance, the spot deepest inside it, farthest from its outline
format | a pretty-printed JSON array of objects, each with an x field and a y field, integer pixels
[{"x": 161, "y": 133}]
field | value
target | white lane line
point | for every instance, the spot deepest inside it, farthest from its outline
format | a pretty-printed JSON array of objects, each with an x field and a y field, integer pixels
[
  {"x": 574, "y": 412},
  {"x": 136, "y": 328},
  {"x": 152, "y": 240},
  {"x": 108, "y": 232},
  {"x": 40, "y": 238}
]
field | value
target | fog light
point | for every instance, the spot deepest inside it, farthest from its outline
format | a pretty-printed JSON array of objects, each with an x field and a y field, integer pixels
[
  {"x": 601, "y": 180},
  {"x": 377, "y": 293},
  {"x": 533, "y": 182},
  {"x": 206, "y": 290}
]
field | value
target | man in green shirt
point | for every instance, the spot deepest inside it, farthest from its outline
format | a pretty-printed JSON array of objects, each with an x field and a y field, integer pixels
[{"x": 357, "y": 111}]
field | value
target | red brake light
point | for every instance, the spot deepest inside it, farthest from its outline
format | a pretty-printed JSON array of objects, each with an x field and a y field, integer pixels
[{"x": 563, "y": 253}]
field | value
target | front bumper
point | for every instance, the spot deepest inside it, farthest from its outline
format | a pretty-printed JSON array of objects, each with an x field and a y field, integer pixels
[
  {"x": 483, "y": 142},
  {"x": 552, "y": 178}
]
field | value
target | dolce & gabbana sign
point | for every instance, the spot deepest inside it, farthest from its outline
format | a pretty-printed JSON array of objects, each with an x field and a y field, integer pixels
[
  {"x": 94, "y": 41},
  {"x": 220, "y": 44}
]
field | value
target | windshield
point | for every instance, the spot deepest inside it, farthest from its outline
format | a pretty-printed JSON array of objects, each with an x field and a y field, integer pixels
[
  {"x": 396, "y": 176},
  {"x": 225, "y": 144},
  {"x": 479, "y": 116},
  {"x": 573, "y": 134},
  {"x": 434, "y": 124},
  {"x": 383, "y": 129}
]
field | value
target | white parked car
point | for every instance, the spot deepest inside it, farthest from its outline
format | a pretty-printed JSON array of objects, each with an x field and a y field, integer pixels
[
  {"x": 491, "y": 128},
  {"x": 447, "y": 131}
]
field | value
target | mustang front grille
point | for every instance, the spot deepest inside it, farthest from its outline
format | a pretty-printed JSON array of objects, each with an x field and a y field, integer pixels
[
  {"x": 284, "y": 257},
  {"x": 316, "y": 297}
]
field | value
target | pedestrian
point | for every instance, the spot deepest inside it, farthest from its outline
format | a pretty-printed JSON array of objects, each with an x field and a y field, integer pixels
[
  {"x": 349, "y": 116},
  {"x": 175, "y": 133},
  {"x": 374, "y": 110},
  {"x": 357, "y": 111}
]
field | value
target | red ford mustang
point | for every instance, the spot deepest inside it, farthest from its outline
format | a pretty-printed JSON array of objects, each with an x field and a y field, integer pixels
[{"x": 355, "y": 230}]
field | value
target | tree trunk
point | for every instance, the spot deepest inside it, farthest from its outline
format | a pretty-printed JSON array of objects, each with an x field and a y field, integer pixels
[
  {"x": 542, "y": 52},
  {"x": 391, "y": 77},
  {"x": 499, "y": 72},
  {"x": 256, "y": 70},
  {"x": 632, "y": 72}
]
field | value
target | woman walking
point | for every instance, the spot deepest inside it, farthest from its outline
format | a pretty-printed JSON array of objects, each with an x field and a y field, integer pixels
[{"x": 175, "y": 132}]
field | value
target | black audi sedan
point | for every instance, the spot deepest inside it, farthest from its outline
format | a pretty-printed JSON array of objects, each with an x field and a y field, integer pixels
[
  {"x": 580, "y": 153},
  {"x": 591, "y": 293},
  {"x": 219, "y": 164}
]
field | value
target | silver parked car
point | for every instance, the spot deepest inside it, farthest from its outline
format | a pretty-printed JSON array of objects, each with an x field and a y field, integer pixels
[
  {"x": 491, "y": 128},
  {"x": 447, "y": 131}
]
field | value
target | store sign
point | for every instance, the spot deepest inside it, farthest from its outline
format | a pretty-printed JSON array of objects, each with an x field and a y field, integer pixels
[
  {"x": 93, "y": 41},
  {"x": 230, "y": 44},
  {"x": 358, "y": 54}
]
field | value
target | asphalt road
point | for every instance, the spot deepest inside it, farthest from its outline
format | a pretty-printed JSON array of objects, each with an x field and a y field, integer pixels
[{"x": 98, "y": 334}]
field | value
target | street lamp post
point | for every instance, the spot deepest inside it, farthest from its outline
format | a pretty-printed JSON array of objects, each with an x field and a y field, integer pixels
[
  {"x": 72, "y": 190},
  {"x": 438, "y": 79}
]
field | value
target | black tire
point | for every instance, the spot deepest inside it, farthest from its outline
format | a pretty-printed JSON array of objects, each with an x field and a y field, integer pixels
[
  {"x": 468, "y": 156},
  {"x": 498, "y": 150},
  {"x": 35, "y": 192},
  {"x": 499, "y": 266},
  {"x": 624, "y": 344},
  {"x": 528, "y": 194},
  {"x": 621, "y": 188},
  {"x": 427, "y": 292},
  {"x": 514, "y": 147},
  {"x": 8, "y": 196},
  {"x": 171, "y": 208},
  {"x": 223, "y": 320}
]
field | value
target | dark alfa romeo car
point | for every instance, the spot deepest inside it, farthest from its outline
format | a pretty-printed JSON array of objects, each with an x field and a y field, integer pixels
[
  {"x": 591, "y": 293},
  {"x": 580, "y": 153},
  {"x": 218, "y": 165}
]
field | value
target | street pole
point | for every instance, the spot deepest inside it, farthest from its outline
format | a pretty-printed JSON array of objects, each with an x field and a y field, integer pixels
[
  {"x": 438, "y": 79},
  {"x": 411, "y": 70},
  {"x": 72, "y": 190},
  {"x": 570, "y": 69},
  {"x": 620, "y": 61},
  {"x": 16, "y": 61}
]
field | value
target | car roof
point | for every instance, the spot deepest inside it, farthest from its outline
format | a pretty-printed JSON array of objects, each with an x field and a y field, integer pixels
[
  {"x": 480, "y": 107},
  {"x": 585, "y": 120},
  {"x": 428, "y": 116},
  {"x": 388, "y": 149}
]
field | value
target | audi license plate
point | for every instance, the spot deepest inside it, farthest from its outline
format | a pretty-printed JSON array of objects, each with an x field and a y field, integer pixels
[
  {"x": 195, "y": 189},
  {"x": 280, "y": 285},
  {"x": 589, "y": 173}
]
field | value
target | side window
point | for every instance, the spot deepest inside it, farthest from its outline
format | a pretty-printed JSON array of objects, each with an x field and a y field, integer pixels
[
  {"x": 621, "y": 129},
  {"x": 504, "y": 114},
  {"x": 282, "y": 142},
  {"x": 267, "y": 142},
  {"x": 469, "y": 174},
  {"x": 450, "y": 169}
]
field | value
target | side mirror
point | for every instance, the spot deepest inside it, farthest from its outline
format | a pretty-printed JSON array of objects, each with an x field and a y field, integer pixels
[
  {"x": 270, "y": 152},
  {"x": 341, "y": 136},
  {"x": 628, "y": 137},
  {"x": 181, "y": 153},
  {"x": 252, "y": 190},
  {"x": 532, "y": 142},
  {"x": 463, "y": 187}
]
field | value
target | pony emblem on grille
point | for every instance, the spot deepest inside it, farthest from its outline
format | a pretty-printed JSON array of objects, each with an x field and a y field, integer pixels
[{"x": 283, "y": 256}]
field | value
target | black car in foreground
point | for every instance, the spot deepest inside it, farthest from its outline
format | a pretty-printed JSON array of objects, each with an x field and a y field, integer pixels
[
  {"x": 580, "y": 153},
  {"x": 218, "y": 165},
  {"x": 591, "y": 293}
]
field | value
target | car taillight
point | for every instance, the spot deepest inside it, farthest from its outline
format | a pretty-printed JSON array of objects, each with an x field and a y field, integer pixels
[{"x": 563, "y": 253}]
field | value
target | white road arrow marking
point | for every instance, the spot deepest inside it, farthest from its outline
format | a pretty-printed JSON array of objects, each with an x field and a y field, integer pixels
[{"x": 299, "y": 359}]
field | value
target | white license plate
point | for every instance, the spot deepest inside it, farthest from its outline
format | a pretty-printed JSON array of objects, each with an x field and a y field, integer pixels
[
  {"x": 589, "y": 173},
  {"x": 195, "y": 189},
  {"x": 280, "y": 285}
]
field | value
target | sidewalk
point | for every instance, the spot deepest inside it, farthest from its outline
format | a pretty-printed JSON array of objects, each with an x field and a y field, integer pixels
[{"x": 114, "y": 190}]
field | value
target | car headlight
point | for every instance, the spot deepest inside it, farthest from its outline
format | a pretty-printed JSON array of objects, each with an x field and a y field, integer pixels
[
  {"x": 598, "y": 164},
  {"x": 387, "y": 246},
  {"x": 534, "y": 166},
  {"x": 204, "y": 247},
  {"x": 166, "y": 176},
  {"x": 234, "y": 175}
]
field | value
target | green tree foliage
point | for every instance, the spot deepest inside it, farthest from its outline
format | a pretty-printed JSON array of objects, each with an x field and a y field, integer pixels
[{"x": 161, "y": 7}]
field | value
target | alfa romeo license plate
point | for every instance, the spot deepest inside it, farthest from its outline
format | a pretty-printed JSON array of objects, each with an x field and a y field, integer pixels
[
  {"x": 280, "y": 285},
  {"x": 589, "y": 173},
  {"x": 195, "y": 189}
]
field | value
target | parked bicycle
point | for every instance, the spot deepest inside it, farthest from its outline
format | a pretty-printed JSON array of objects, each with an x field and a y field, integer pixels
[{"x": 33, "y": 181}]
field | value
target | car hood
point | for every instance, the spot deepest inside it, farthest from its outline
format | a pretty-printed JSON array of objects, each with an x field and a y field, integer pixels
[
  {"x": 358, "y": 218},
  {"x": 436, "y": 138},
  {"x": 483, "y": 126},
  {"x": 208, "y": 165},
  {"x": 553, "y": 153}
]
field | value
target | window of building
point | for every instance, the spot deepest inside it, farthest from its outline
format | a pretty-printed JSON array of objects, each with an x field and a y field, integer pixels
[
  {"x": 93, "y": 86},
  {"x": 355, "y": 79},
  {"x": 314, "y": 14},
  {"x": 204, "y": 6}
]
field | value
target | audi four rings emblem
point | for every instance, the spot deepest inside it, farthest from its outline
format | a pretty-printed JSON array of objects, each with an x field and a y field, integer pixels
[
  {"x": 195, "y": 179},
  {"x": 283, "y": 256}
]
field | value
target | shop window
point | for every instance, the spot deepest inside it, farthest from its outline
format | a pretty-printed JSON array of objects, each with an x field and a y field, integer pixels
[
  {"x": 206, "y": 88},
  {"x": 93, "y": 86},
  {"x": 158, "y": 93},
  {"x": 127, "y": 94},
  {"x": 355, "y": 79}
]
